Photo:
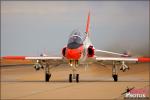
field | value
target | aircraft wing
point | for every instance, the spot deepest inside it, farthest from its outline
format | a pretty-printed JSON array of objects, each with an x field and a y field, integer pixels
[
  {"x": 109, "y": 52},
  {"x": 140, "y": 59},
  {"x": 51, "y": 60},
  {"x": 32, "y": 58}
]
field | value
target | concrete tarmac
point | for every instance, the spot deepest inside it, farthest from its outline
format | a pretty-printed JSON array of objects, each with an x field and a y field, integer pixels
[{"x": 23, "y": 82}]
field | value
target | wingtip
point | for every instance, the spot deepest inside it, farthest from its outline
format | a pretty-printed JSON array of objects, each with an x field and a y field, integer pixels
[
  {"x": 143, "y": 59},
  {"x": 14, "y": 57}
]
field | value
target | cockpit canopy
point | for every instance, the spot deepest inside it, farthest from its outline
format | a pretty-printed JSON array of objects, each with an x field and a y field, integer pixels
[
  {"x": 78, "y": 33},
  {"x": 76, "y": 39}
]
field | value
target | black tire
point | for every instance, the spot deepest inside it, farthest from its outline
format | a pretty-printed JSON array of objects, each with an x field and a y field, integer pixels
[
  {"x": 115, "y": 77},
  {"x": 70, "y": 77},
  {"x": 47, "y": 77},
  {"x": 77, "y": 77}
]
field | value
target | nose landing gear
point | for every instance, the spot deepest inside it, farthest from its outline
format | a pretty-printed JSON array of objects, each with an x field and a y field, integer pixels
[{"x": 74, "y": 76}]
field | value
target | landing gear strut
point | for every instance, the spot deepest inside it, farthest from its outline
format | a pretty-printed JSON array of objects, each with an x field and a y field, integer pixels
[
  {"x": 47, "y": 73},
  {"x": 74, "y": 76},
  {"x": 115, "y": 72}
]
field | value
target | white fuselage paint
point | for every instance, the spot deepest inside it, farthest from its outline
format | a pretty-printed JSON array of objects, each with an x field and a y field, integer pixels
[{"x": 86, "y": 44}]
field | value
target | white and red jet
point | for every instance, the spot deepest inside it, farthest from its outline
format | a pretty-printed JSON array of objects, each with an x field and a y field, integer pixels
[{"x": 80, "y": 49}]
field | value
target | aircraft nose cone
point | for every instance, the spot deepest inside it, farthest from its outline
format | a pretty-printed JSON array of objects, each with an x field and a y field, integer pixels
[{"x": 74, "y": 54}]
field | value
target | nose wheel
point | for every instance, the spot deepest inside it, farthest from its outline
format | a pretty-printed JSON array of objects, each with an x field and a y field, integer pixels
[{"x": 73, "y": 77}]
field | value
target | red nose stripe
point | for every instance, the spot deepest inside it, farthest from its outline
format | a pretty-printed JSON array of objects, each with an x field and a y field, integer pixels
[
  {"x": 74, "y": 54},
  {"x": 14, "y": 57},
  {"x": 143, "y": 59}
]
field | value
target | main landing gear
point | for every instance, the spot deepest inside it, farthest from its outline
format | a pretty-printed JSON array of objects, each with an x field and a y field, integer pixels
[
  {"x": 115, "y": 72},
  {"x": 74, "y": 75},
  {"x": 123, "y": 67},
  {"x": 47, "y": 73}
]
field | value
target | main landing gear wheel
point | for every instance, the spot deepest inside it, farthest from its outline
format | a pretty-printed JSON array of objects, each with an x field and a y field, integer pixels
[
  {"x": 47, "y": 77},
  {"x": 71, "y": 77},
  {"x": 77, "y": 77},
  {"x": 115, "y": 77},
  {"x": 115, "y": 72}
]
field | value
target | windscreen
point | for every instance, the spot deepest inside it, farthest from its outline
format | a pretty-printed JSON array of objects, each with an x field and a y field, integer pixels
[{"x": 76, "y": 39}]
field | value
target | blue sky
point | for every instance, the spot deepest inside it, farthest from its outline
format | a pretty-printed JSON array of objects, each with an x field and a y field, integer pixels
[{"x": 32, "y": 27}]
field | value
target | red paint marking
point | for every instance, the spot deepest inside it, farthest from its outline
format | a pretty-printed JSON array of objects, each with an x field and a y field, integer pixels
[
  {"x": 14, "y": 57},
  {"x": 74, "y": 54},
  {"x": 88, "y": 23},
  {"x": 143, "y": 59}
]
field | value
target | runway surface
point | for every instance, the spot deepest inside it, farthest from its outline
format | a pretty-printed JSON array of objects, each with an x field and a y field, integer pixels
[{"x": 23, "y": 82}]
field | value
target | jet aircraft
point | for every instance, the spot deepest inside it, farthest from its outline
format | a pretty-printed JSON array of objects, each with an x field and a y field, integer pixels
[{"x": 80, "y": 49}]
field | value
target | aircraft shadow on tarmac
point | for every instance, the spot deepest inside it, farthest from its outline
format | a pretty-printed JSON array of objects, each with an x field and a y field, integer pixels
[{"x": 66, "y": 81}]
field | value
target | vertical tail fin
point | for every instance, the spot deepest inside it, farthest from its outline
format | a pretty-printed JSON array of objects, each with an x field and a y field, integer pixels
[{"x": 88, "y": 24}]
